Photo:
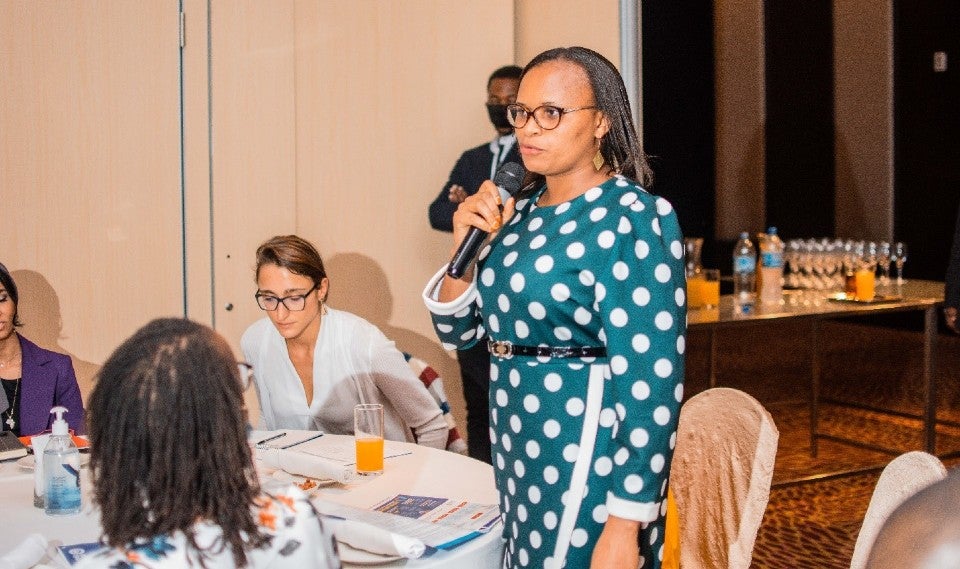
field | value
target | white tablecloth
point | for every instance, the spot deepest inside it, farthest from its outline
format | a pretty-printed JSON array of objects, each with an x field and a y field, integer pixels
[{"x": 426, "y": 471}]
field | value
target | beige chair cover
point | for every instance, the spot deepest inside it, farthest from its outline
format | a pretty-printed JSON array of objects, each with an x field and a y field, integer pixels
[
  {"x": 903, "y": 477},
  {"x": 720, "y": 476}
]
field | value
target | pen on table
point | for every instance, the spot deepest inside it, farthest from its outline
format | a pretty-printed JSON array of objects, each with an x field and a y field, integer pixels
[
  {"x": 268, "y": 439},
  {"x": 316, "y": 436}
]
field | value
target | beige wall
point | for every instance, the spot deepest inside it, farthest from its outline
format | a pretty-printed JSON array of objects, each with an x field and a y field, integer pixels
[
  {"x": 90, "y": 170},
  {"x": 544, "y": 24}
]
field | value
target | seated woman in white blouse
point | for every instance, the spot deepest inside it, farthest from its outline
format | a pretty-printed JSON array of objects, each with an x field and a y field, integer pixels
[{"x": 312, "y": 363}]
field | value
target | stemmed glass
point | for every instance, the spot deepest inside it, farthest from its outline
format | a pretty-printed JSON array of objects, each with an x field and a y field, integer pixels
[
  {"x": 883, "y": 262},
  {"x": 899, "y": 256}
]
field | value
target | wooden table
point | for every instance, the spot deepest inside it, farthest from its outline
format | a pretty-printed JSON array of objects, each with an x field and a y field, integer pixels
[{"x": 815, "y": 307}]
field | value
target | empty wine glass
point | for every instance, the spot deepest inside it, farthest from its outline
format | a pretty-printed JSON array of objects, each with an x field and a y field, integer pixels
[
  {"x": 883, "y": 262},
  {"x": 899, "y": 256}
]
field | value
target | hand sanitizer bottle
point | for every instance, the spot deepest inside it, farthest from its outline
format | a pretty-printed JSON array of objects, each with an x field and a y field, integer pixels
[{"x": 61, "y": 469}]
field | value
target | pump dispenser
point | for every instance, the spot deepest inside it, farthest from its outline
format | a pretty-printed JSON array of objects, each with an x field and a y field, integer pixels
[{"x": 61, "y": 469}]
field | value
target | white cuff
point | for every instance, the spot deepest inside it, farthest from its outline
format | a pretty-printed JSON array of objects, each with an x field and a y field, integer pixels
[
  {"x": 636, "y": 511},
  {"x": 432, "y": 291}
]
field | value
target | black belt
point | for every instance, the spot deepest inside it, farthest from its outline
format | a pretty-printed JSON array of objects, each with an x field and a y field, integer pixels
[{"x": 509, "y": 349}]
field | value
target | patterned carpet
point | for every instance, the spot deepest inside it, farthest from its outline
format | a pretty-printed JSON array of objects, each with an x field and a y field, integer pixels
[{"x": 812, "y": 519}]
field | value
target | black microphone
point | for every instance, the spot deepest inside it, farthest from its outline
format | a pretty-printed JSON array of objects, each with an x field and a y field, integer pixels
[{"x": 508, "y": 179}]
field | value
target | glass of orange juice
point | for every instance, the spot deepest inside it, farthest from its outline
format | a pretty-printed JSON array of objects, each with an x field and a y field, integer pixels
[
  {"x": 368, "y": 436},
  {"x": 866, "y": 283},
  {"x": 703, "y": 289}
]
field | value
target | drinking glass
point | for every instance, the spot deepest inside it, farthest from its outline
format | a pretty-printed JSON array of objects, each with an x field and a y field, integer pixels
[
  {"x": 703, "y": 289},
  {"x": 899, "y": 257},
  {"x": 368, "y": 436},
  {"x": 884, "y": 253}
]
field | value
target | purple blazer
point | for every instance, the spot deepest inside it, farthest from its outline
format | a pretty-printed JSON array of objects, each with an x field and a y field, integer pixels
[{"x": 47, "y": 380}]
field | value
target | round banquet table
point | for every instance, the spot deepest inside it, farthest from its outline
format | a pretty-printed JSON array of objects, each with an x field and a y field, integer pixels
[{"x": 425, "y": 471}]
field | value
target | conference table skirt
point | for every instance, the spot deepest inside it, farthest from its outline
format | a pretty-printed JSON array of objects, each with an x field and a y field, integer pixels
[{"x": 425, "y": 471}]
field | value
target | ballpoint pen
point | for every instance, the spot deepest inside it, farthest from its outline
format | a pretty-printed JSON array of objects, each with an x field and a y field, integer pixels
[
  {"x": 268, "y": 439},
  {"x": 300, "y": 442}
]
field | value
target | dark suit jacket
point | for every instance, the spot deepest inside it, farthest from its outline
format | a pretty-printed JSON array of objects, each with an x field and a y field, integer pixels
[
  {"x": 471, "y": 170},
  {"x": 47, "y": 380}
]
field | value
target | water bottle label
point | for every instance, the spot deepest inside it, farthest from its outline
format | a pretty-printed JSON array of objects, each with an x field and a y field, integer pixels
[
  {"x": 772, "y": 259},
  {"x": 744, "y": 264}
]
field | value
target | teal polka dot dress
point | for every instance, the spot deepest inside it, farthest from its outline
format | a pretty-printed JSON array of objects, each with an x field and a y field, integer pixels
[{"x": 576, "y": 440}]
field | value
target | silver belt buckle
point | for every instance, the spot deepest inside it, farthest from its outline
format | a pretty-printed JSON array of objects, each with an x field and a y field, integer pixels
[{"x": 501, "y": 349}]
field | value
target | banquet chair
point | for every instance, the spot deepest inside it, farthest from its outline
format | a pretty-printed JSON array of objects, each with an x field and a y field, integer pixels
[
  {"x": 719, "y": 479},
  {"x": 434, "y": 384},
  {"x": 903, "y": 477}
]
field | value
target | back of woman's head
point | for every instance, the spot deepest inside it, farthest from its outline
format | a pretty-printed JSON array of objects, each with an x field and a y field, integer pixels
[
  {"x": 293, "y": 253},
  {"x": 168, "y": 437},
  {"x": 621, "y": 147}
]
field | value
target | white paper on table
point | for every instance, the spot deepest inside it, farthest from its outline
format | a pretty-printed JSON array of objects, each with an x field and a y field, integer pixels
[
  {"x": 344, "y": 451},
  {"x": 296, "y": 462},
  {"x": 437, "y": 522},
  {"x": 367, "y": 537},
  {"x": 27, "y": 554}
]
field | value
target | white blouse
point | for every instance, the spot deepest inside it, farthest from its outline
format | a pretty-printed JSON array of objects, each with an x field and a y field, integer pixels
[{"x": 353, "y": 362}]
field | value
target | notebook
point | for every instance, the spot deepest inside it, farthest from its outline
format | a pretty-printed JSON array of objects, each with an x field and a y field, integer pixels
[{"x": 10, "y": 446}]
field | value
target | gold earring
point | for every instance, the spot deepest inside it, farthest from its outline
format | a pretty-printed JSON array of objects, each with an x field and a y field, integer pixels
[{"x": 598, "y": 160}]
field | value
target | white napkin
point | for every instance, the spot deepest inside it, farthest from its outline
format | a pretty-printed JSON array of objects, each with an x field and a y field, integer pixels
[
  {"x": 308, "y": 465},
  {"x": 360, "y": 535},
  {"x": 27, "y": 554}
]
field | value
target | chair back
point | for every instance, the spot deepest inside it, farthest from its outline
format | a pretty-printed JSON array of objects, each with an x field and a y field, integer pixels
[
  {"x": 434, "y": 384},
  {"x": 720, "y": 477},
  {"x": 903, "y": 477}
]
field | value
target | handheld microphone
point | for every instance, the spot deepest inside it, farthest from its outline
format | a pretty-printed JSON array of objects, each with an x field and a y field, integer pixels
[{"x": 508, "y": 179}]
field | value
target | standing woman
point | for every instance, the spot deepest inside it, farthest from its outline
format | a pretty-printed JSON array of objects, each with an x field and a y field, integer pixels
[
  {"x": 314, "y": 363},
  {"x": 582, "y": 295},
  {"x": 34, "y": 380}
]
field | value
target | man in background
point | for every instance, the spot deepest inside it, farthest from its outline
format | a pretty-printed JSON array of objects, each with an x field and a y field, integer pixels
[{"x": 473, "y": 168}]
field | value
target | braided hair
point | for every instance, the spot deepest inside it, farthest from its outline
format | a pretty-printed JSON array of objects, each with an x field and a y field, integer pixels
[{"x": 168, "y": 440}]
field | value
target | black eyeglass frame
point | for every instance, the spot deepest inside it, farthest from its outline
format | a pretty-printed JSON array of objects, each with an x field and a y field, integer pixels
[
  {"x": 527, "y": 113},
  {"x": 260, "y": 297}
]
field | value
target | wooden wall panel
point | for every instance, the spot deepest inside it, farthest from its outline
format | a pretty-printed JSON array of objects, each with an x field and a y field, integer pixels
[{"x": 90, "y": 170}]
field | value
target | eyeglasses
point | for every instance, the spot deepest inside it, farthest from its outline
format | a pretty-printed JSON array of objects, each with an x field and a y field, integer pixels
[
  {"x": 293, "y": 303},
  {"x": 546, "y": 116},
  {"x": 246, "y": 374}
]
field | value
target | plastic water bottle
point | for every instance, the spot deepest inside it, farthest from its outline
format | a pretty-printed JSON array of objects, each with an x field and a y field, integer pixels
[
  {"x": 61, "y": 469},
  {"x": 770, "y": 286},
  {"x": 744, "y": 275}
]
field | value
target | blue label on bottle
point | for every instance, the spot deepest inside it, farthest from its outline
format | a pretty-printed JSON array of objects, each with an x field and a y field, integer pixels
[
  {"x": 744, "y": 264},
  {"x": 772, "y": 259}
]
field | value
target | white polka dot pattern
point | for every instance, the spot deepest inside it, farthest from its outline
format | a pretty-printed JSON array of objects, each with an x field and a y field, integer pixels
[{"x": 604, "y": 269}]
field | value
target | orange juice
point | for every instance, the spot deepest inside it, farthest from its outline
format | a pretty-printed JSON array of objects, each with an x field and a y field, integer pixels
[
  {"x": 703, "y": 291},
  {"x": 866, "y": 279},
  {"x": 369, "y": 455}
]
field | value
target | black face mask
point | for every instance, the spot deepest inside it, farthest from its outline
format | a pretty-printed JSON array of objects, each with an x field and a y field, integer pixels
[{"x": 498, "y": 116}]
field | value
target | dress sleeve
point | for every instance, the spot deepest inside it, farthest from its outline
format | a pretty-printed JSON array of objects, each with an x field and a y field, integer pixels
[
  {"x": 458, "y": 323},
  {"x": 301, "y": 540},
  {"x": 641, "y": 296}
]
